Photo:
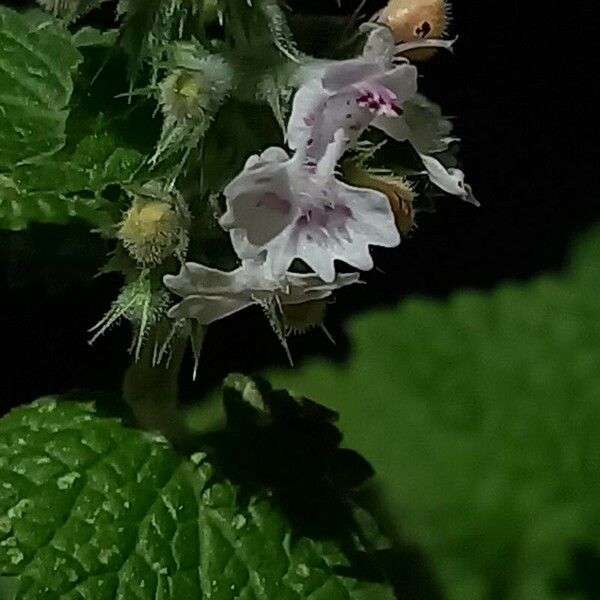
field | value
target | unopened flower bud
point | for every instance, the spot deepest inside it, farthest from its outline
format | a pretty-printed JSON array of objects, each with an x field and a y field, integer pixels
[
  {"x": 181, "y": 95},
  {"x": 154, "y": 228},
  {"x": 398, "y": 191},
  {"x": 190, "y": 96},
  {"x": 412, "y": 20},
  {"x": 139, "y": 303}
]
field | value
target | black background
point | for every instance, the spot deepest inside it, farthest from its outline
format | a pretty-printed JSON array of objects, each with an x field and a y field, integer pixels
[{"x": 520, "y": 87}]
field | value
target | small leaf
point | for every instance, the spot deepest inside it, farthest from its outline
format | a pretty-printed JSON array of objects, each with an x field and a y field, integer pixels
[
  {"x": 279, "y": 28},
  {"x": 90, "y": 37}
]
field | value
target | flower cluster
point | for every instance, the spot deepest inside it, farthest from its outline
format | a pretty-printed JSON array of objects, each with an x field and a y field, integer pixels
[{"x": 290, "y": 212}]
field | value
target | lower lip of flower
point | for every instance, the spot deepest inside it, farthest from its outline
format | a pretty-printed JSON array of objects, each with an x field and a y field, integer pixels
[{"x": 320, "y": 223}]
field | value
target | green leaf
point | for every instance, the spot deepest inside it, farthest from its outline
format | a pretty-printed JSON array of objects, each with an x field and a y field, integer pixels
[
  {"x": 481, "y": 418},
  {"x": 90, "y": 37},
  {"x": 8, "y": 588},
  {"x": 58, "y": 168},
  {"x": 37, "y": 61},
  {"x": 92, "y": 510},
  {"x": 279, "y": 28},
  {"x": 68, "y": 185}
]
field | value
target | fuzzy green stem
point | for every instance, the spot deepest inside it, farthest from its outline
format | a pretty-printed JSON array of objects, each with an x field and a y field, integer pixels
[{"x": 152, "y": 391}]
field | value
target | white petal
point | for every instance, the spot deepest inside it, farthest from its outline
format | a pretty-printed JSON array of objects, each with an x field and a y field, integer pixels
[
  {"x": 281, "y": 252},
  {"x": 319, "y": 258},
  {"x": 260, "y": 202},
  {"x": 261, "y": 214},
  {"x": 306, "y": 287},
  {"x": 207, "y": 310},
  {"x": 402, "y": 80},
  {"x": 306, "y": 108},
  {"x": 350, "y": 72},
  {"x": 357, "y": 255},
  {"x": 428, "y": 43},
  {"x": 252, "y": 162},
  {"x": 326, "y": 165},
  {"x": 341, "y": 111},
  {"x": 373, "y": 216},
  {"x": 262, "y": 175},
  {"x": 395, "y": 127},
  {"x": 452, "y": 181},
  {"x": 194, "y": 279},
  {"x": 380, "y": 45},
  {"x": 312, "y": 71},
  {"x": 243, "y": 248},
  {"x": 274, "y": 154}
]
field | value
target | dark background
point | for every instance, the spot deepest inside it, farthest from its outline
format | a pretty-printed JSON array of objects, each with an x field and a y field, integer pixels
[{"x": 520, "y": 87}]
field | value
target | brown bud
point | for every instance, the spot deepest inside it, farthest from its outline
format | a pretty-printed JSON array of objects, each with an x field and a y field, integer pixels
[
  {"x": 398, "y": 192},
  {"x": 412, "y": 20}
]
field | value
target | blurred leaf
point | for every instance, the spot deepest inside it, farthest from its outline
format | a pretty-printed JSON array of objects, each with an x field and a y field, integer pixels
[
  {"x": 481, "y": 417},
  {"x": 8, "y": 588},
  {"x": 90, "y": 509},
  {"x": 37, "y": 61}
]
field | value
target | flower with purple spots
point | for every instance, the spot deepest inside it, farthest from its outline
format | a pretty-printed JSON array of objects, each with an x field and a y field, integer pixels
[
  {"x": 374, "y": 89},
  {"x": 279, "y": 208}
]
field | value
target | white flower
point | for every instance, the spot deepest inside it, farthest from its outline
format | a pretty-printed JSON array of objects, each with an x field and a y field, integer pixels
[
  {"x": 373, "y": 89},
  {"x": 350, "y": 94},
  {"x": 210, "y": 294},
  {"x": 293, "y": 208}
]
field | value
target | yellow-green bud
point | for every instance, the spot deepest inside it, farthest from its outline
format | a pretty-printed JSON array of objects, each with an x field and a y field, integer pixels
[
  {"x": 182, "y": 95},
  {"x": 154, "y": 229}
]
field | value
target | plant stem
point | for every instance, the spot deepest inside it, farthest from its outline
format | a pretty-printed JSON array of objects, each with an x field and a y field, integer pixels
[{"x": 152, "y": 390}]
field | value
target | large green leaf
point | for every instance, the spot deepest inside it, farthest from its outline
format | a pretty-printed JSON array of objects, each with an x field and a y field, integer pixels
[
  {"x": 37, "y": 61},
  {"x": 65, "y": 137},
  {"x": 481, "y": 416},
  {"x": 92, "y": 510}
]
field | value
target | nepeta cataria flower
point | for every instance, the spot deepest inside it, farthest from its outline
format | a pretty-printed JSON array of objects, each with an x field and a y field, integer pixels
[
  {"x": 292, "y": 208},
  {"x": 374, "y": 89},
  {"x": 350, "y": 94},
  {"x": 210, "y": 294}
]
